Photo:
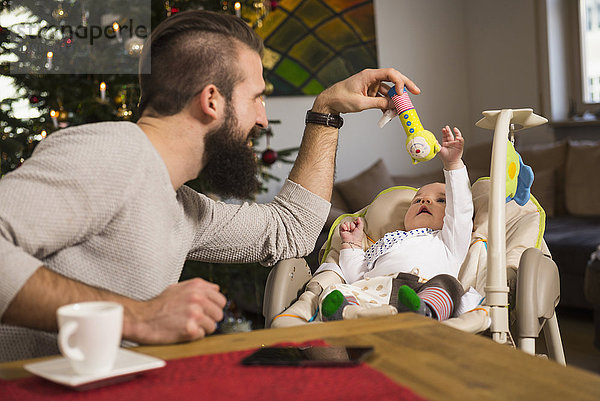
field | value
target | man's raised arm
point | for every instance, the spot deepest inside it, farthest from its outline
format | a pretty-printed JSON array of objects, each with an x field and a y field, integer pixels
[{"x": 315, "y": 164}]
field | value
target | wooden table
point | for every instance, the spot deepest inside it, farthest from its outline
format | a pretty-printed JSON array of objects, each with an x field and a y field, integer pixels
[{"x": 436, "y": 361}]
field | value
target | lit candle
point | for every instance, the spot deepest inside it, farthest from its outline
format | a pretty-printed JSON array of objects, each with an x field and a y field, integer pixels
[
  {"x": 117, "y": 30},
  {"x": 49, "y": 57},
  {"x": 43, "y": 134},
  {"x": 103, "y": 91},
  {"x": 54, "y": 116},
  {"x": 238, "y": 9}
]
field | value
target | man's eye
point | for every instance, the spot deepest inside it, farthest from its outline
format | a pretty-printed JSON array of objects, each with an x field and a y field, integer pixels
[
  {"x": 416, "y": 201},
  {"x": 442, "y": 200}
]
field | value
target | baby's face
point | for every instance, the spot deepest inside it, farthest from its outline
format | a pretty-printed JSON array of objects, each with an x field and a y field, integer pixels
[{"x": 428, "y": 208}]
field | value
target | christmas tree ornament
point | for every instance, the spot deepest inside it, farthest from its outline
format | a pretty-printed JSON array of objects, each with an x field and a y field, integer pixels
[
  {"x": 124, "y": 112},
  {"x": 134, "y": 46},
  {"x": 37, "y": 137},
  {"x": 224, "y": 6},
  {"x": 59, "y": 12},
  {"x": 121, "y": 97},
  {"x": 33, "y": 99},
  {"x": 66, "y": 42},
  {"x": 233, "y": 320},
  {"x": 255, "y": 11},
  {"x": 124, "y": 96},
  {"x": 269, "y": 156},
  {"x": 63, "y": 116},
  {"x": 168, "y": 8}
]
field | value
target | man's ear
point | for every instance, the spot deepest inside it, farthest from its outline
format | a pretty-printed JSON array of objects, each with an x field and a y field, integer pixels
[{"x": 209, "y": 103}]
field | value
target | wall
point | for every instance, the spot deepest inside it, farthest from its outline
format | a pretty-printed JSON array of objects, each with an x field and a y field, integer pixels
[
  {"x": 555, "y": 12},
  {"x": 503, "y": 53},
  {"x": 425, "y": 40},
  {"x": 466, "y": 56}
]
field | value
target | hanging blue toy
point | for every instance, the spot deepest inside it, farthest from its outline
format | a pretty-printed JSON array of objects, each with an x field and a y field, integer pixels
[{"x": 519, "y": 177}]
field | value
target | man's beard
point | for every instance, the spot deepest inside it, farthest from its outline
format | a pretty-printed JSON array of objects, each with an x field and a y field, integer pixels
[{"x": 231, "y": 169}]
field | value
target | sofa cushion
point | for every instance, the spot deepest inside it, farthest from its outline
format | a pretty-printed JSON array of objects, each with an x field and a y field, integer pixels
[
  {"x": 337, "y": 201},
  {"x": 571, "y": 240},
  {"x": 544, "y": 190},
  {"x": 478, "y": 158},
  {"x": 360, "y": 190},
  {"x": 338, "y": 207},
  {"x": 548, "y": 163},
  {"x": 582, "y": 181}
]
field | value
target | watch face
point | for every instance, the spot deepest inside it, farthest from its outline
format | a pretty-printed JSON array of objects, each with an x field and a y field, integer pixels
[{"x": 335, "y": 121}]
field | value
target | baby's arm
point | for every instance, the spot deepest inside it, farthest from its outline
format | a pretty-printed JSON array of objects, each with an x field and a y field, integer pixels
[
  {"x": 352, "y": 234},
  {"x": 458, "y": 221},
  {"x": 352, "y": 257},
  {"x": 452, "y": 149}
]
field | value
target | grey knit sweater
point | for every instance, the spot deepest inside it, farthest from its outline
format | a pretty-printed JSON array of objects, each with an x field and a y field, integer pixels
[{"x": 95, "y": 203}]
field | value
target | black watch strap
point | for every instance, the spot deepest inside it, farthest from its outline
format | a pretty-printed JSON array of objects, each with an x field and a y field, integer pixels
[{"x": 330, "y": 120}]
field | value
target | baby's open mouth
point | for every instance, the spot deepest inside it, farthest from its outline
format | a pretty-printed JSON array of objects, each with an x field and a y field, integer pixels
[{"x": 423, "y": 209}]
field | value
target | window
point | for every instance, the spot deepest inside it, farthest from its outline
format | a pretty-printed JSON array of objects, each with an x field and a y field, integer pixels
[{"x": 589, "y": 52}]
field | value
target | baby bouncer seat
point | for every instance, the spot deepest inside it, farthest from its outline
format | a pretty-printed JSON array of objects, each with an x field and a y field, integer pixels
[{"x": 508, "y": 260}]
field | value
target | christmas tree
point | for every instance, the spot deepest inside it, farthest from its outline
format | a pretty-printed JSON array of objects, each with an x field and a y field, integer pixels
[
  {"x": 63, "y": 82},
  {"x": 75, "y": 62}
]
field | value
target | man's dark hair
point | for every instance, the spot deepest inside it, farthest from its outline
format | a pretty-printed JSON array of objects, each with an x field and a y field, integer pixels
[{"x": 188, "y": 51}]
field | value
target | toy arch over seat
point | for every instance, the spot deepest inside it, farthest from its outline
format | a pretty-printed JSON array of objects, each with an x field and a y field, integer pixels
[{"x": 532, "y": 276}]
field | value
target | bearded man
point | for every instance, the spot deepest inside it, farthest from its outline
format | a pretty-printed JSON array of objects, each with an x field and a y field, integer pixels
[{"x": 101, "y": 212}]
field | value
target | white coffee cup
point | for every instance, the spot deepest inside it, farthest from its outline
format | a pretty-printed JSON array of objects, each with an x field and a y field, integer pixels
[{"x": 90, "y": 335}]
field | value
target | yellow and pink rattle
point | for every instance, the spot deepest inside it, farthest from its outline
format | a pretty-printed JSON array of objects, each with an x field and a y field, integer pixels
[{"x": 421, "y": 144}]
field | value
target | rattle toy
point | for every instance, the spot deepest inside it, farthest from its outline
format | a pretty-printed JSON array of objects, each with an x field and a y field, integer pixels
[{"x": 421, "y": 144}]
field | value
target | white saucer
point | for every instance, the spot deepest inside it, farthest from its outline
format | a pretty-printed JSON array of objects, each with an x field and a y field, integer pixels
[{"x": 128, "y": 364}]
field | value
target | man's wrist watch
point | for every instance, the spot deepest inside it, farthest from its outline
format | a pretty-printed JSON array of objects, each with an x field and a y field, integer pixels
[{"x": 330, "y": 120}]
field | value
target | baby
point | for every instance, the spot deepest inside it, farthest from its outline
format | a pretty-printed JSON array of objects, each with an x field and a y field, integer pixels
[{"x": 414, "y": 269}]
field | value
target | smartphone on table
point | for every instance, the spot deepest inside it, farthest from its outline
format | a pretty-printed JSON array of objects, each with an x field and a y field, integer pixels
[{"x": 331, "y": 355}]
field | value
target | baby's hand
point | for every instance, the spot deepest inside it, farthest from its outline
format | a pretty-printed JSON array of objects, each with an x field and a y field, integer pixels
[
  {"x": 352, "y": 232},
  {"x": 452, "y": 148}
]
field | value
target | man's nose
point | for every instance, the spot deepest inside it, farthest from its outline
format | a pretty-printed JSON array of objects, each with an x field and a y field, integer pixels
[
  {"x": 261, "y": 118},
  {"x": 425, "y": 201}
]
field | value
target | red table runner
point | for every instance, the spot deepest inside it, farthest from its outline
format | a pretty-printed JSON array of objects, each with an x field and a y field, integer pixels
[{"x": 222, "y": 377}]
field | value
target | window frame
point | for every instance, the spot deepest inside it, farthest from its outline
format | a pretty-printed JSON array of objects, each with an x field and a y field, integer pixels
[{"x": 579, "y": 106}]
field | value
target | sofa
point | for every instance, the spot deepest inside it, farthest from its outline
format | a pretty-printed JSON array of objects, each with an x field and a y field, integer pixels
[{"x": 566, "y": 184}]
